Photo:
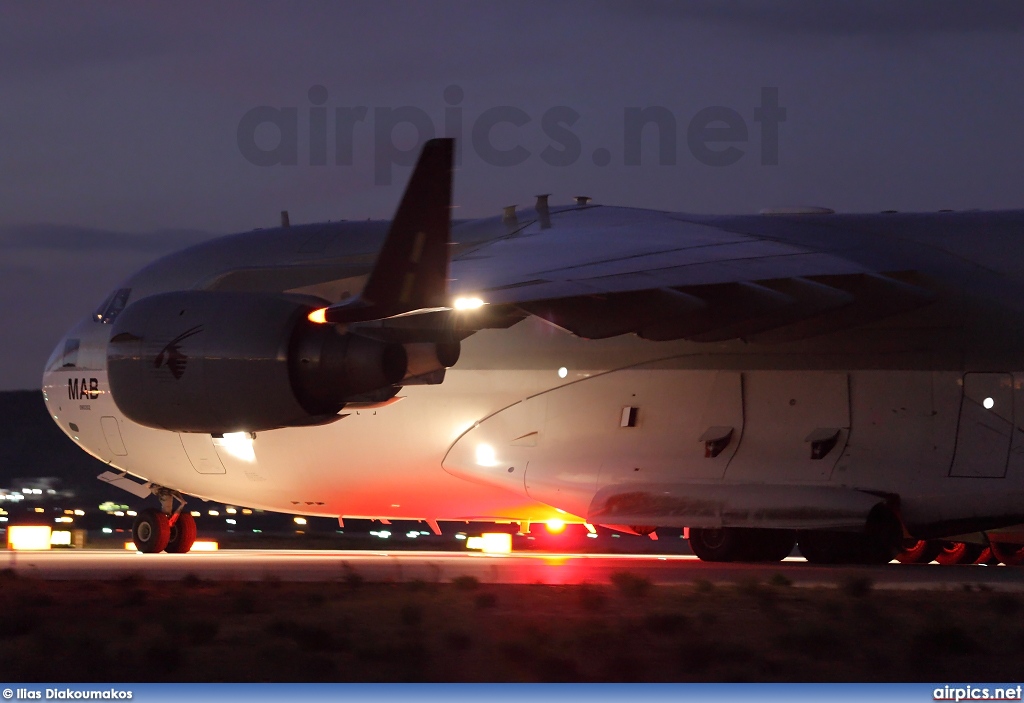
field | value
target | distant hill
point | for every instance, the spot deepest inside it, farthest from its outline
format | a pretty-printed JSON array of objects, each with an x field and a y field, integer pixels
[{"x": 31, "y": 445}]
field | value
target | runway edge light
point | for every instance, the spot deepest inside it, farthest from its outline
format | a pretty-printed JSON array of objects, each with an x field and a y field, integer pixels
[
  {"x": 28, "y": 537},
  {"x": 491, "y": 543}
]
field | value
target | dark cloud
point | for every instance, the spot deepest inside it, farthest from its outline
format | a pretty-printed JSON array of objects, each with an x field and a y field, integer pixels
[
  {"x": 119, "y": 120},
  {"x": 76, "y": 35},
  {"x": 839, "y": 17},
  {"x": 52, "y": 276},
  {"x": 82, "y": 239}
]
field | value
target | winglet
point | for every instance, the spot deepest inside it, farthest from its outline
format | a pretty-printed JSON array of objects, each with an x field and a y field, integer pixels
[{"x": 411, "y": 271}]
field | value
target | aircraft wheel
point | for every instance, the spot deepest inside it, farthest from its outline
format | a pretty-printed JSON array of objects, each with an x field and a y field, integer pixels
[
  {"x": 716, "y": 544},
  {"x": 770, "y": 545},
  {"x": 959, "y": 553},
  {"x": 817, "y": 547},
  {"x": 182, "y": 534},
  {"x": 920, "y": 551},
  {"x": 844, "y": 548},
  {"x": 987, "y": 558},
  {"x": 151, "y": 531},
  {"x": 1009, "y": 554}
]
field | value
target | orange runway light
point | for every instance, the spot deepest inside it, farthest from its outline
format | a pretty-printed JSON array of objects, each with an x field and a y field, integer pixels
[
  {"x": 491, "y": 543},
  {"x": 28, "y": 537}
]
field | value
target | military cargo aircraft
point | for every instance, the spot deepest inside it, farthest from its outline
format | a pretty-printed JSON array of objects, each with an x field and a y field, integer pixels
[{"x": 849, "y": 383}]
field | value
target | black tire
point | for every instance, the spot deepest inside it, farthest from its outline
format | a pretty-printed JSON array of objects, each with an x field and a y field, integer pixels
[
  {"x": 182, "y": 535},
  {"x": 845, "y": 548},
  {"x": 959, "y": 553},
  {"x": 770, "y": 545},
  {"x": 715, "y": 544},
  {"x": 151, "y": 531},
  {"x": 735, "y": 544},
  {"x": 919, "y": 551},
  {"x": 1009, "y": 554}
]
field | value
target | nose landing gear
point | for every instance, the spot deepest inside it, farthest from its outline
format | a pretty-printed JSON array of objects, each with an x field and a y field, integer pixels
[
  {"x": 151, "y": 531},
  {"x": 164, "y": 529}
]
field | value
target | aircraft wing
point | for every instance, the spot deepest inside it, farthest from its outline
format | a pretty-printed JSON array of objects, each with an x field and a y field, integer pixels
[{"x": 603, "y": 271}]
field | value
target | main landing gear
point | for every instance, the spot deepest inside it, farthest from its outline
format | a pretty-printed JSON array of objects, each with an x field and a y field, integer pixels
[
  {"x": 878, "y": 543},
  {"x": 164, "y": 529},
  {"x": 946, "y": 552}
]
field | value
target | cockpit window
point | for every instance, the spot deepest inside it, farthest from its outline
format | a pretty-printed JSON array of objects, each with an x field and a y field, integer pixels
[
  {"x": 112, "y": 306},
  {"x": 70, "y": 358}
]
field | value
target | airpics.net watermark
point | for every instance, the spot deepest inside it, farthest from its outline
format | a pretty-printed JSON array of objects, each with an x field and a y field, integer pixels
[{"x": 715, "y": 135}]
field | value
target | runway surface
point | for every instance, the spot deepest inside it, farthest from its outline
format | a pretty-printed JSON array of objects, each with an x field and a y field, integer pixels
[{"x": 523, "y": 567}]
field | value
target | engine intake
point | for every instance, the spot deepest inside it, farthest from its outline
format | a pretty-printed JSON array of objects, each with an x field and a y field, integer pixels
[{"x": 204, "y": 361}]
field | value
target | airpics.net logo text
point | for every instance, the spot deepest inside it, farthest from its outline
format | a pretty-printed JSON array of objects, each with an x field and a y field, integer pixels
[{"x": 714, "y": 136}]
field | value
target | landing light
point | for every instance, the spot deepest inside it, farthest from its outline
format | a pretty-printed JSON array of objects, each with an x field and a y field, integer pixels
[
  {"x": 300, "y": 520},
  {"x": 318, "y": 316},
  {"x": 988, "y": 403},
  {"x": 485, "y": 455},
  {"x": 468, "y": 303},
  {"x": 237, "y": 444},
  {"x": 563, "y": 372},
  {"x": 555, "y": 525}
]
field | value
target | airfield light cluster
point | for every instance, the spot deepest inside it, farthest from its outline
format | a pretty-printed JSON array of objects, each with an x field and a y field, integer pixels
[
  {"x": 491, "y": 543},
  {"x": 28, "y": 537}
]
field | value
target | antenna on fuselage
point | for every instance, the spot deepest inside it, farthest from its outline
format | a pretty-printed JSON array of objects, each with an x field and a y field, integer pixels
[{"x": 285, "y": 222}]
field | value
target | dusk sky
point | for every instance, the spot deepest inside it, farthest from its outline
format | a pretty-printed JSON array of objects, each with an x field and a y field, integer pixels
[{"x": 120, "y": 121}]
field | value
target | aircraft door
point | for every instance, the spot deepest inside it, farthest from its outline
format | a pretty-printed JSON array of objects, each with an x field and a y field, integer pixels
[
  {"x": 202, "y": 453},
  {"x": 985, "y": 428},
  {"x": 796, "y": 426},
  {"x": 113, "y": 435}
]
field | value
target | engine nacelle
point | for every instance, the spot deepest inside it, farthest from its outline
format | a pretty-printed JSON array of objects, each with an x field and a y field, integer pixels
[{"x": 202, "y": 361}]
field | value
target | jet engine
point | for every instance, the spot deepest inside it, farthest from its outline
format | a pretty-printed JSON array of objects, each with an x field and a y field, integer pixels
[{"x": 202, "y": 361}]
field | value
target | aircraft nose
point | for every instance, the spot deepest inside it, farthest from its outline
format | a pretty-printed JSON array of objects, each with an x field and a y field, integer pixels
[
  {"x": 65, "y": 354},
  {"x": 56, "y": 359}
]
